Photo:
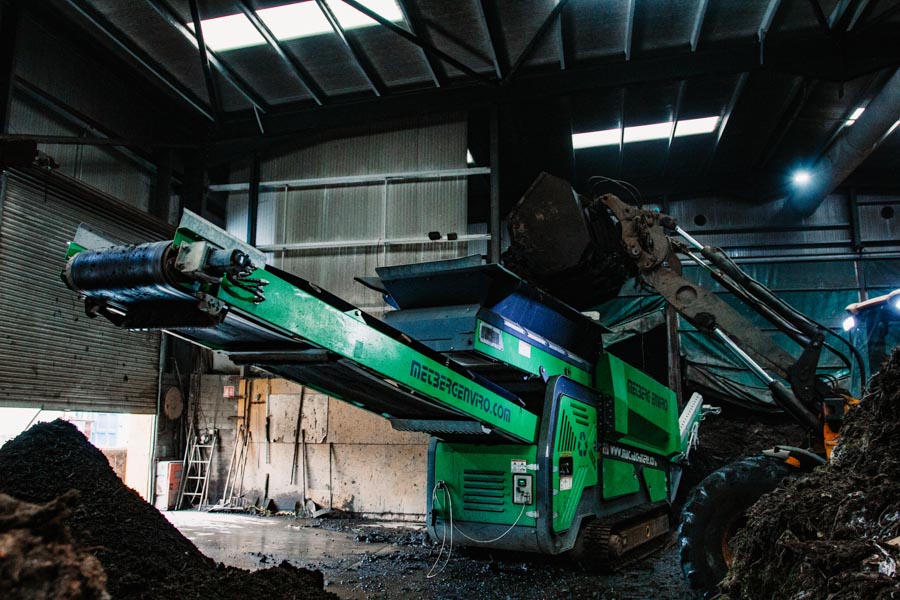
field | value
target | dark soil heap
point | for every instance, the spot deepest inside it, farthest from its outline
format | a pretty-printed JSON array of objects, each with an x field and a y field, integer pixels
[
  {"x": 143, "y": 554},
  {"x": 833, "y": 533},
  {"x": 37, "y": 559}
]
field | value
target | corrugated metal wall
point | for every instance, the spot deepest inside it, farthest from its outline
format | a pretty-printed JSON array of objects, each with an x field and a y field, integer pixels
[
  {"x": 362, "y": 211},
  {"x": 49, "y": 64},
  {"x": 51, "y": 354}
]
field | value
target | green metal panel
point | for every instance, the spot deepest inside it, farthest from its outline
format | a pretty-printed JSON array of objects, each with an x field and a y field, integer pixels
[
  {"x": 346, "y": 334},
  {"x": 619, "y": 478},
  {"x": 576, "y": 445},
  {"x": 528, "y": 357},
  {"x": 645, "y": 410},
  {"x": 297, "y": 313},
  {"x": 479, "y": 480},
  {"x": 655, "y": 479}
]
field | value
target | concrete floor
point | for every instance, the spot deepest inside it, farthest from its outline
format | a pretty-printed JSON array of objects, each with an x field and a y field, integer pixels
[
  {"x": 392, "y": 560},
  {"x": 241, "y": 540}
]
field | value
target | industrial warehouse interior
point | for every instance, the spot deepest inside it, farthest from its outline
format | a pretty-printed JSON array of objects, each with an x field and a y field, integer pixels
[{"x": 450, "y": 299}]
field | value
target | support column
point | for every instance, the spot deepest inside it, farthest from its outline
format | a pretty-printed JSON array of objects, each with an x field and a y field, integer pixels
[
  {"x": 9, "y": 26},
  {"x": 494, "y": 223}
]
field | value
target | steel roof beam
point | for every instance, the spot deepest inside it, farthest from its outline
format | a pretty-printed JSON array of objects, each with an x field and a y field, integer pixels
[
  {"x": 297, "y": 68},
  {"x": 211, "y": 90},
  {"x": 810, "y": 57},
  {"x": 676, "y": 113},
  {"x": 629, "y": 28},
  {"x": 355, "y": 50},
  {"x": 414, "y": 39},
  {"x": 413, "y": 19},
  {"x": 538, "y": 36},
  {"x": 765, "y": 25},
  {"x": 820, "y": 16},
  {"x": 566, "y": 44},
  {"x": 490, "y": 21},
  {"x": 698, "y": 24},
  {"x": 110, "y": 32},
  {"x": 171, "y": 17}
]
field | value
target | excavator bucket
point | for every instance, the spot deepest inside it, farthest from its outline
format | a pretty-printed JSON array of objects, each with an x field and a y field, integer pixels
[{"x": 566, "y": 244}]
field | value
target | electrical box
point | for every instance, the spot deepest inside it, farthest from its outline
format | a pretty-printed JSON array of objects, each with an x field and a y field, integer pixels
[{"x": 522, "y": 489}]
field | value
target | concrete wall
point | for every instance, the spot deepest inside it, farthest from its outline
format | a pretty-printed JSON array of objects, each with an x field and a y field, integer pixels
[{"x": 344, "y": 458}]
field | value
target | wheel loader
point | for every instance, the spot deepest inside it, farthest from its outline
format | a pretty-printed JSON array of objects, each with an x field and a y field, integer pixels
[{"x": 541, "y": 439}]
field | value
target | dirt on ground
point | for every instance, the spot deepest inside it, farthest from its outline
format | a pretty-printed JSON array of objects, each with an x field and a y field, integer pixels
[
  {"x": 832, "y": 533},
  {"x": 143, "y": 555},
  {"x": 37, "y": 558},
  {"x": 405, "y": 563},
  {"x": 734, "y": 434}
]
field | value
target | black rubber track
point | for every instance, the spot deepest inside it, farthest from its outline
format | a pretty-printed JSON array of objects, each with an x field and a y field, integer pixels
[{"x": 715, "y": 509}]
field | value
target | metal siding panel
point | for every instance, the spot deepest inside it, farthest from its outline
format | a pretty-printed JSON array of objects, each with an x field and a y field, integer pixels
[
  {"x": 357, "y": 212},
  {"x": 50, "y": 355}
]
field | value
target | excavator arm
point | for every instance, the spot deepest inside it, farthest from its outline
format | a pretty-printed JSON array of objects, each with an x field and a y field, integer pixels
[{"x": 650, "y": 242}]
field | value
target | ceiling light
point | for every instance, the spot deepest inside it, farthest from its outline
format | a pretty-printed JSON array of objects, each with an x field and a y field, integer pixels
[
  {"x": 801, "y": 178},
  {"x": 229, "y": 33},
  {"x": 897, "y": 302},
  {"x": 469, "y": 158},
  {"x": 291, "y": 21},
  {"x": 644, "y": 133},
  {"x": 696, "y": 126},
  {"x": 854, "y": 116},
  {"x": 849, "y": 323},
  {"x": 591, "y": 139}
]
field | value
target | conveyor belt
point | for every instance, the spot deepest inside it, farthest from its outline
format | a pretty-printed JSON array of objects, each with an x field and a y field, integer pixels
[{"x": 303, "y": 334}]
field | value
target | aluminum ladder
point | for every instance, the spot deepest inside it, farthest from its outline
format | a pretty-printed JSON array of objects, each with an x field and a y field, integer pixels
[{"x": 195, "y": 473}]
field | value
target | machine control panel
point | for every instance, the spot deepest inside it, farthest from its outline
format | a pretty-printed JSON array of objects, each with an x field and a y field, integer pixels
[{"x": 522, "y": 489}]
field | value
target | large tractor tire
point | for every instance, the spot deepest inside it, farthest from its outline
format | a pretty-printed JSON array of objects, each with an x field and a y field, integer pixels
[{"x": 715, "y": 510}]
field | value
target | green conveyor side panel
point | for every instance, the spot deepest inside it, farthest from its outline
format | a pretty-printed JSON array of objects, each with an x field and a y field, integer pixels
[
  {"x": 646, "y": 412},
  {"x": 293, "y": 311}
]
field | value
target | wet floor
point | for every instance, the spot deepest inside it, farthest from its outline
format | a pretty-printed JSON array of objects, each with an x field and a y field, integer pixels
[{"x": 362, "y": 559}]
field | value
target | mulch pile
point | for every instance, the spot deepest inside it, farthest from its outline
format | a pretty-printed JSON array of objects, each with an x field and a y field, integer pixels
[
  {"x": 143, "y": 555},
  {"x": 37, "y": 558},
  {"x": 833, "y": 533}
]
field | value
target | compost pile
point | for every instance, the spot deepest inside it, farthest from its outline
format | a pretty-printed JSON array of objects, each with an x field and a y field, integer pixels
[
  {"x": 143, "y": 555},
  {"x": 833, "y": 533},
  {"x": 37, "y": 558}
]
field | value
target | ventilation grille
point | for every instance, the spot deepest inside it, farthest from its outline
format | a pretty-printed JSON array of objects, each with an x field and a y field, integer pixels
[{"x": 484, "y": 490}]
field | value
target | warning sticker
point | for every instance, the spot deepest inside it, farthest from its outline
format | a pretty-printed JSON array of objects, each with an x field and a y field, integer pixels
[
  {"x": 524, "y": 349},
  {"x": 565, "y": 483},
  {"x": 517, "y": 466}
]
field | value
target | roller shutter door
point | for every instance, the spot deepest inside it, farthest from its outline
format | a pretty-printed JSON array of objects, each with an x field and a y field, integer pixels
[{"x": 51, "y": 354}]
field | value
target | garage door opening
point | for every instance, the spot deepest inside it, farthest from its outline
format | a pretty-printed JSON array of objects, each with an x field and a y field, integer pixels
[{"x": 125, "y": 439}]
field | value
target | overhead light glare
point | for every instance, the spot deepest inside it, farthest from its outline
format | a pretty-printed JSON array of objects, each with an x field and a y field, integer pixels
[
  {"x": 469, "y": 159},
  {"x": 897, "y": 303},
  {"x": 229, "y": 33},
  {"x": 592, "y": 139},
  {"x": 644, "y": 133},
  {"x": 848, "y": 323},
  {"x": 853, "y": 117},
  {"x": 696, "y": 126},
  {"x": 291, "y": 21},
  {"x": 801, "y": 177}
]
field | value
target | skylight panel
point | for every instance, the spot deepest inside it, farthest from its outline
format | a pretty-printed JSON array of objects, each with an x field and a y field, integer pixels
[
  {"x": 291, "y": 21},
  {"x": 696, "y": 126},
  {"x": 591, "y": 139},
  {"x": 229, "y": 32},
  {"x": 854, "y": 116},
  {"x": 645, "y": 133}
]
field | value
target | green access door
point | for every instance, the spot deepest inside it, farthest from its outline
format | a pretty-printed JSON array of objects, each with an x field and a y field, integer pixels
[{"x": 575, "y": 456}]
